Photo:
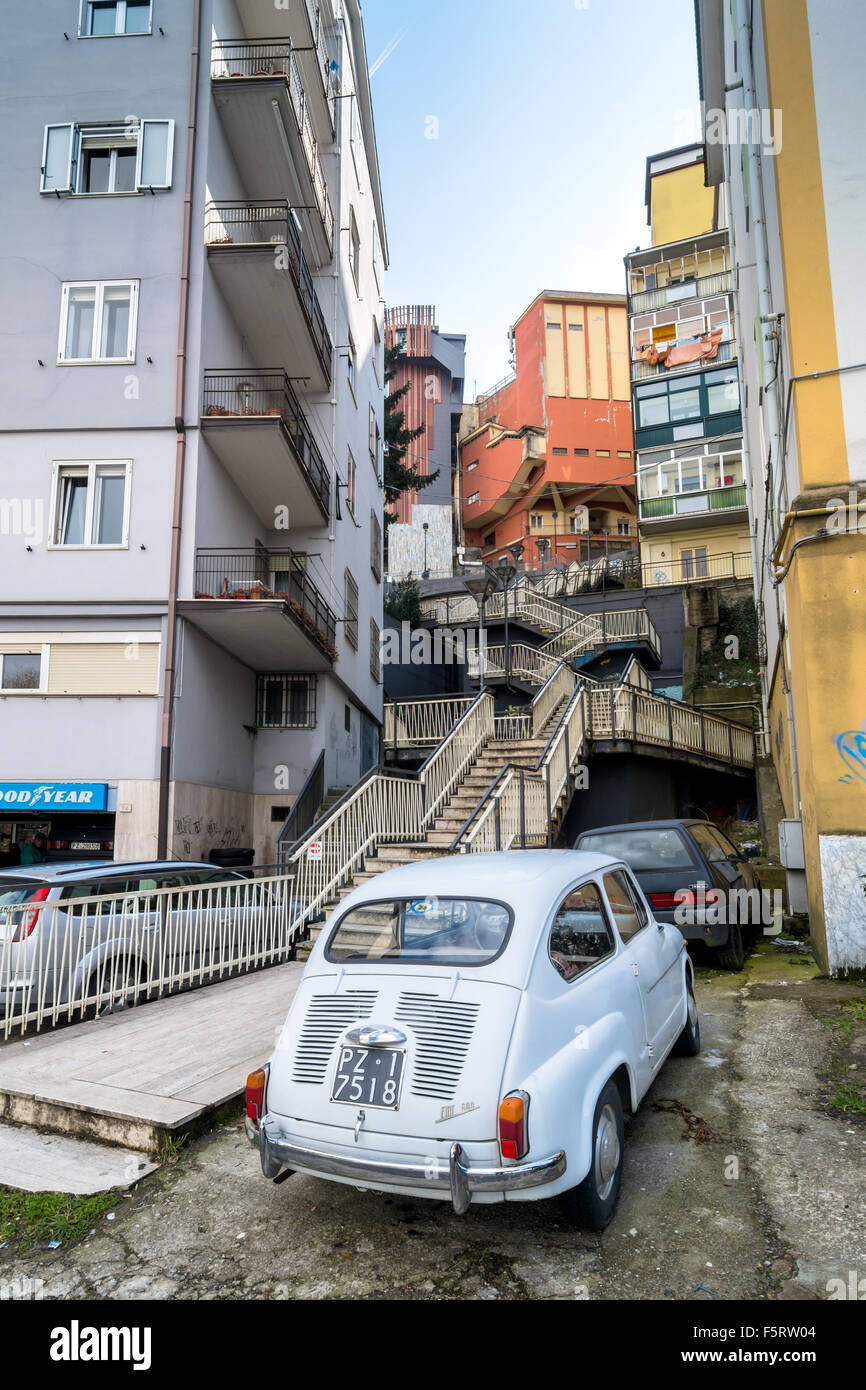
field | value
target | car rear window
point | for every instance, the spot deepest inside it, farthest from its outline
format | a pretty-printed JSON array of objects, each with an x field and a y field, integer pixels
[
  {"x": 642, "y": 849},
  {"x": 436, "y": 931},
  {"x": 13, "y": 894}
]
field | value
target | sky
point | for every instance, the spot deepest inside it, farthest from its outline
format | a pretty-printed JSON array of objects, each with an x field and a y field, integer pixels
[{"x": 512, "y": 138}]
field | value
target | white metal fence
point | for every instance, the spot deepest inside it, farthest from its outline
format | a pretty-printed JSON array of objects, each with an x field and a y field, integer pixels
[
  {"x": 89, "y": 950},
  {"x": 420, "y": 722}
]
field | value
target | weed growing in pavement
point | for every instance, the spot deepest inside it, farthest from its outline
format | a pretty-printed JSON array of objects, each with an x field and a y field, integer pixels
[{"x": 28, "y": 1218}]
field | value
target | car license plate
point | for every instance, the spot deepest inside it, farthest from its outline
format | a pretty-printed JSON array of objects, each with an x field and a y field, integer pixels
[
  {"x": 369, "y": 1076},
  {"x": 86, "y": 844}
]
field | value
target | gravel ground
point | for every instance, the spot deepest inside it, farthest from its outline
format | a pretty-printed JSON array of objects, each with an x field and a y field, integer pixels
[{"x": 739, "y": 1183}]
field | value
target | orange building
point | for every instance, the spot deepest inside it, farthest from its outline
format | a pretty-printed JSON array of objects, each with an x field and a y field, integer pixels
[{"x": 547, "y": 459}]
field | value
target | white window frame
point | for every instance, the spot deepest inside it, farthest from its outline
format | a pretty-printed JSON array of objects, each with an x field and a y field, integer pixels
[
  {"x": 352, "y": 366},
  {"x": 377, "y": 255},
  {"x": 119, "y": 32},
  {"x": 100, "y": 287},
  {"x": 351, "y": 481},
  {"x": 355, "y": 250},
  {"x": 28, "y": 649},
  {"x": 78, "y": 131},
  {"x": 93, "y": 466}
]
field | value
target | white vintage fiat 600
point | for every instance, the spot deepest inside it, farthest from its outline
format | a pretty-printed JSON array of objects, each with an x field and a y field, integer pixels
[{"x": 473, "y": 1028}]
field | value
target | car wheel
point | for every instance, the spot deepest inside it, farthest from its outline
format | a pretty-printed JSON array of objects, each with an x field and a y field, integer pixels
[
  {"x": 131, "y": 991},
  {"x": 688, "y": 1044},
  {"x": 732, "y": 955},
  {"x": 593, "y": 1202}
]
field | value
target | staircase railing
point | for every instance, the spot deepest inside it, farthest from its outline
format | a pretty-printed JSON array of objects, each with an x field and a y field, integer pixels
[
  {"x": 384, "y": 807},
  {"x": 422, "y": 720},
  {"x": 305, "y": 808},
  {"x": 625, "y": 712},
  {"x": 520, "y": 805}
]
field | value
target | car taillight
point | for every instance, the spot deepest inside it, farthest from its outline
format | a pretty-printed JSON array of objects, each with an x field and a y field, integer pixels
[
  {"x": 683, "y": 897},
  {"x": 27, "y": 923},
  {"x": 256, "y": 1083},
  {"x": 513, "y": 1126}
]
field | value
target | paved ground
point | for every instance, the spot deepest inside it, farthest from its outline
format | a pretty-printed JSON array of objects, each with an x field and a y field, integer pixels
[
  {"x": 134, "y": 1075},
  {"x": 738, "y": 1183},
  {"x": 35, "y": 1161}
]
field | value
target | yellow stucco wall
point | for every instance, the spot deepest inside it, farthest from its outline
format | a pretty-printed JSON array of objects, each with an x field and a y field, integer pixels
[
  {"x": 680, "y": 205},
  {"x": 780, "y": 740},
  {"x": 620, "y": 365}
]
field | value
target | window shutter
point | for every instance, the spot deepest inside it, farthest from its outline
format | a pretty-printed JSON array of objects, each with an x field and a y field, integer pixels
[
  {"x": 155, "y": 148},
  {"x": 58, "y": 159}
]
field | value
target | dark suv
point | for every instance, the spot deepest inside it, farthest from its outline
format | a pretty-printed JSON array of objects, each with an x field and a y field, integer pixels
[{"x": 672, "y": 860}]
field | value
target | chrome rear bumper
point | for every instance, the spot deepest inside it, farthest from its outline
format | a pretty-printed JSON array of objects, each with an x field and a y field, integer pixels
[{"x": 456, "y": 1176}]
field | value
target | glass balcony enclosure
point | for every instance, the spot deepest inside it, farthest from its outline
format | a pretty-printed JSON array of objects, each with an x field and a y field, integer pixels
[{"x": 681, "y": 486}]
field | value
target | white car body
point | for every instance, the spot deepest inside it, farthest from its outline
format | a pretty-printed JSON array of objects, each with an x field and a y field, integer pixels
[{"x": 474, "y": 1035}]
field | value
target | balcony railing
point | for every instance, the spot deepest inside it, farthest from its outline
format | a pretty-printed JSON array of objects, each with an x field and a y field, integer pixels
[
  {"x": 244, "y": 58},
  {"x": 704, "y": 287},
  {"x": 252, "y": 393},
  {"x": 256, "y": 574},
  {"x": 727, "y": 352},
  {"x": 720, "y": 499},
  {"x": 271, "y": 224},
  {"x": 698, "y": 570}
]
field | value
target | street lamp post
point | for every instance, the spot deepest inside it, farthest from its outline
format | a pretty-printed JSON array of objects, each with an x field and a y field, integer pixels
[
  {"x": 425, "y": 526},
  {"x": 479, "y": 586},
  {"x": 506, "y": 573}
]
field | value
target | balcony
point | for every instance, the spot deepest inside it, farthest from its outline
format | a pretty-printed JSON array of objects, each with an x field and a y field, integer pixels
[
  {"x": 262, "y": 102},
  {"x": 255, "y": 254},
  {"x": 262, "y": 606},
  {"x": 253, "y": 422},
  {"x": 309, "y": 28},
  {"x": 686, "y": 508},
  {"x": 699, "y": 569},
  {"x": 702, "y": 287},
  {"x": 640, "y": 370}
]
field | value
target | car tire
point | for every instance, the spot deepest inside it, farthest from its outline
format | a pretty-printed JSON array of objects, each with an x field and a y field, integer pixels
[
  {"x": 593, "y": 1202},
  {"x": 688, "y": 1044},
  {"x": 136, "y": 985},
  {"x": 732, "y": 956}
]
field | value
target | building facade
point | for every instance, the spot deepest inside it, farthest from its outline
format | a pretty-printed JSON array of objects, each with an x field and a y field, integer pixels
[
  {"x": 433, "y": 365},
  {"x": 782, "y": 92},
  {"x": 190, "y": 457},
  {"x": 546, "y": 461},
  {"x": 691, "y": 491}
]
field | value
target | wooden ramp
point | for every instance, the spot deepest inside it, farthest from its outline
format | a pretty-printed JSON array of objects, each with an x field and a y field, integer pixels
[{"x": 132, "y": 1078}]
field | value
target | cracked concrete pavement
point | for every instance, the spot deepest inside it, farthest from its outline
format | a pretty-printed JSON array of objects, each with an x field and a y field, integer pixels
[{"x": 739, "y": 1183}]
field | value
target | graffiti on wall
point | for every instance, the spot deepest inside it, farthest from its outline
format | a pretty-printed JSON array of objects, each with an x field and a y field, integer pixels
[{"x": 851, "y": 747}]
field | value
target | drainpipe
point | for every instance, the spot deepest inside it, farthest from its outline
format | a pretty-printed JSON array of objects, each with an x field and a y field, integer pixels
[
  {"x": 766, "y": 317},
  {"x": 180, "y": 448}
]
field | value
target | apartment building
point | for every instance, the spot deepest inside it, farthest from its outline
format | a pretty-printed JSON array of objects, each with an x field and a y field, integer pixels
[
  {"x": 782, "y": 91},
  {"x": 547, "y": 461},
  {"x": 691, "y": 491},
  {"x": 190, "y": 452},
  {"x": 432, "y": 364}
]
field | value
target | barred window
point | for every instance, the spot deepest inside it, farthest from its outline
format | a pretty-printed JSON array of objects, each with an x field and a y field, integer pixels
[
  {"x": 375, "y": 656},
  {"x": 285, "y": 702},
  {"x": 375, "y": 545},
  {"x": 351, "y": 595}
]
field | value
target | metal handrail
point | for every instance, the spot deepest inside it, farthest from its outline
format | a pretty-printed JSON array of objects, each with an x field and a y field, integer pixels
[
  {"x": 309, "y": 798},
  {"x": 256, "y": 392},
  {"x": 263, "y": 58},
  {"x": 249, "y": 223}
]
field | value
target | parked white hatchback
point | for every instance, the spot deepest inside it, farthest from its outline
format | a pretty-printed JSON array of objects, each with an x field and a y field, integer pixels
[{"x": 473, "y": 1028}]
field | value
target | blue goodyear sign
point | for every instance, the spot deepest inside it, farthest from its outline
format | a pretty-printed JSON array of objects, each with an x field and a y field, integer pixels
[{"x": 53, "y": 796}]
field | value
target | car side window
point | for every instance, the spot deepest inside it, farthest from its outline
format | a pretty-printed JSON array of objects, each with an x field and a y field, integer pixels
[
  {"x": 634, "y": 892},
  {"x": 104, "y": 888},
  {"x": 580, "y": 935},
  {"x": 707, "y": 843},
  {"x": 625, "y": 914}
]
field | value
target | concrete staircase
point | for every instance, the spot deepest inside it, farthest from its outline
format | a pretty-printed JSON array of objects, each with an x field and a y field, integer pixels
[{"x": 481, "y": 772}]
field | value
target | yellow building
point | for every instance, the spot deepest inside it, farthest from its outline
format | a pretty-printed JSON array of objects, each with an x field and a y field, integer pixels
[
  {"x": 691, "y": 488},
  {"x": 784, "y": 105}
]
